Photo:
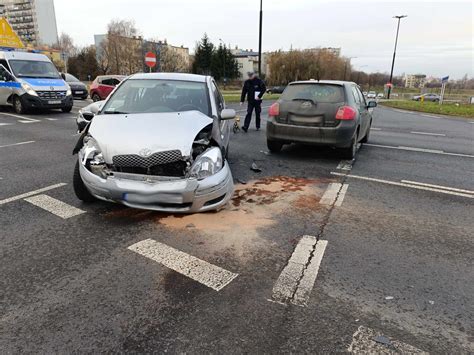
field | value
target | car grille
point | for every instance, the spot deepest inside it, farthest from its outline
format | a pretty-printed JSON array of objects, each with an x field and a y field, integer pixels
[
  {"x": 52, "y": 95},
  {"x": 169, "y": 163}
]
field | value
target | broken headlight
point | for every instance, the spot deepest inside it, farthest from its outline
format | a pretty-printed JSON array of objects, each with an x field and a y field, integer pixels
[
  {"x": 93, "y": 158},
  {"x": 207, "y": 164}
]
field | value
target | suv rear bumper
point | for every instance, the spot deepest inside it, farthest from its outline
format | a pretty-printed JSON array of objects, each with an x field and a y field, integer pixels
[{"x": 339, "y": 136}]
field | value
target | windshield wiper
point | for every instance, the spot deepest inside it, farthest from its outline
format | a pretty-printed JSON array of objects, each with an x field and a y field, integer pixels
[{"x": 115, "y": 113}]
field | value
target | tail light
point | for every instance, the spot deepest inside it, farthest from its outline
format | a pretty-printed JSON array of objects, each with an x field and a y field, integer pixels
[
  {"x": 274, "y": 109},
  {"x": 345, "y": 113}
]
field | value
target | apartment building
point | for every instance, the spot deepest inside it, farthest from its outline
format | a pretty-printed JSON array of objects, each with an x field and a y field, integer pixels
[
  {"x": 33, "y": 20},
  {"x": 415, "y": 80},
  {"x": 247, "y": 61}
]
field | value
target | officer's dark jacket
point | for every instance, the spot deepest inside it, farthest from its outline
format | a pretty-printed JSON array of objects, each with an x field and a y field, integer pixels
[{"x": 250, "y": 87}]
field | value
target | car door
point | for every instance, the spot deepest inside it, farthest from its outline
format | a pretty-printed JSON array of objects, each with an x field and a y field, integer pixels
[
  {"x": 364, "y": 114},
  {"x": 224, "y": 125},
  {"x": 6, "y": 85},
  {"x": 107, "y": 86}
]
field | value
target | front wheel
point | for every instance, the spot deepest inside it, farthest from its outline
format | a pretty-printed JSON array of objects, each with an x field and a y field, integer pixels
[
  {"x": 95, "y": 97},
  {"x": 18, "y": 105},
  {"x": 274, "y": 146},
  {"x": 66, "y": 109},
  {"x": 79, "y": 188}
]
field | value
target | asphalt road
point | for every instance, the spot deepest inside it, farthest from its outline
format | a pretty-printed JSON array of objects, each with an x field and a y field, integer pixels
[{"x": 389, "y": 245}]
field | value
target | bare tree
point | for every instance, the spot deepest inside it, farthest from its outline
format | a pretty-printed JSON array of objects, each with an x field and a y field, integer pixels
[{"x": 66, "y": 45}]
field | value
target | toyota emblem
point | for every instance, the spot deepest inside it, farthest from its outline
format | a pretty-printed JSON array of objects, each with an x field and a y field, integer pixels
[
  {"x": 306, "y": 104},
  {"x": 145, "y": 152}
]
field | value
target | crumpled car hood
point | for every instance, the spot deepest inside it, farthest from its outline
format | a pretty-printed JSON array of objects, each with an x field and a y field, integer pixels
[{"x": 155, "y": 132}]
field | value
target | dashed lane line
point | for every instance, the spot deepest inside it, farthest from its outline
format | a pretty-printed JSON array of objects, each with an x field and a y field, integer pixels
[
  {"x": 296, "y": 281},
  {"x": 56, "y": 207},
  {"x": 443, "y": 190},
  {"x": 421, "y": 150},
  {"x": 14, "y": 144},
  {"x": 23, "y": 119},
  {"x": 345, "y": 165},
  {"x": 31, "y": 193},
  {"x": 369, "y": 341},
  {"x": 375, "y": 129},
  {"x": 334, "y": 194},
  {"x": 199, "y": 270},
  {"x": 429, "y": 134},
  {"x": 6, "y": 124}
]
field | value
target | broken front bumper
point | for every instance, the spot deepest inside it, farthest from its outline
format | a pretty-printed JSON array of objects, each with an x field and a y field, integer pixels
[{"x": 152, "y": 193}]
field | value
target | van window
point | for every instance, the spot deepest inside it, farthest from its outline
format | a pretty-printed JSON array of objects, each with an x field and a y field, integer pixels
[
  {"x": 5, "y": 64},
  {"x": 34, "y": 69},
  {"x": 328, "y": 93}
]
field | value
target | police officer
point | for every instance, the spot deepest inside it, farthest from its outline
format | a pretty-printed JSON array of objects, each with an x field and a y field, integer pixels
[{"x": 254, "y": 88}]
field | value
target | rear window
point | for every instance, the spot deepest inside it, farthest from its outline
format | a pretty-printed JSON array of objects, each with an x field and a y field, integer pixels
[{"x": 314, "y": 92}]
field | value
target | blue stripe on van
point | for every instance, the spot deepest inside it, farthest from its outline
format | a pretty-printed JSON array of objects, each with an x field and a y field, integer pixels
[
  {"x": 9, "y": 84},
  {"x": 45, "y": 82}
]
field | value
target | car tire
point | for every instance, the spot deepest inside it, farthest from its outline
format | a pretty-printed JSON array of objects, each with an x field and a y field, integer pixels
[
  {"x": 349, "y": 153},
  {"x": 79, "y": 188},
  {"x": 96, "y": 97},
  {"x": 66, "y": 109},
  {"x": 367, "y": 135},
  {"x": 274, "y": 146},
  {"x": 18, "y": 106}
]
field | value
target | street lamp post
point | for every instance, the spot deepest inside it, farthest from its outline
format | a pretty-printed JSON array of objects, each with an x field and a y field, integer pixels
[
  {"x": 223, "y": 68},
  {"x": 260, "y": 42},
  {"x": 399, "y": 17}
]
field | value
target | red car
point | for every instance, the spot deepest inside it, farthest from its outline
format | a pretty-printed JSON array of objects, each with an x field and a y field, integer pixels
[{"x": 103, "y": 85}]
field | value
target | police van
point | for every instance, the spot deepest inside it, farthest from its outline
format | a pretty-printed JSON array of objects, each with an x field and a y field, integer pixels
[{"x": 31, "y": 82}]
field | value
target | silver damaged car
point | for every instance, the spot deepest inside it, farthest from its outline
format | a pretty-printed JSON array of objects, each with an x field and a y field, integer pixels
[{"x": 159, "y": 142}]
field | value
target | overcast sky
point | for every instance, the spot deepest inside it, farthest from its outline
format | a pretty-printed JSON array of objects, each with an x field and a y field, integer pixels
[{"x": 436, "y": 39}]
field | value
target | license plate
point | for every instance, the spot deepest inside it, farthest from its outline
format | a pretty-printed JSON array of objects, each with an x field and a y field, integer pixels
[
  {"x": 54, "y": 102},
  {"x": 79, "y": 92}
]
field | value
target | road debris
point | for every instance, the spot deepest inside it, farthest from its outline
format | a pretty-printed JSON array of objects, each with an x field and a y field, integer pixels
[
  {"x": 388, "y": 298},
  {"x": 382, "y": 340},
  {"x": 255, "y": 168}
]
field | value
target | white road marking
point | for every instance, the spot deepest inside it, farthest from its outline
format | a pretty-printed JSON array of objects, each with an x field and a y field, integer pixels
[
  {"x": 22, "y": 121},
  {"x": 20, "y": 117},
  {"x": 422, "y": 150},
  {"x": 364, "y": 342},
  {"x": 334, "y": 194},
  {"x": 297, "y": 279},
  {"x": 51, "y": 119},
  {"x": 199, "y": 270},
  {"x": 345, "y": 165},
  {"x": 56, "y": 207},
  {"x": 31, "y": 193},
  {"x": 437, "y": 186},
  {"x": 375, "y": 129},
  {"x": 6, "y": 124},
  {"x": 429, "y": 134},
  {"x": 14, "y": 144},
  {"x": 395, "y": 183}
]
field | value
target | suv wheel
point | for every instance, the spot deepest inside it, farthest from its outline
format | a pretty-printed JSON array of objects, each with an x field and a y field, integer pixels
[
  {"x": 95, "y": 97},
  {"x": 66, "y": 109},
  {"x": 18, "y": 105},
  {"x": 79, "y": 188},
  {"x": 350, "y": 152},
  {"x": 274, "y": 146}
]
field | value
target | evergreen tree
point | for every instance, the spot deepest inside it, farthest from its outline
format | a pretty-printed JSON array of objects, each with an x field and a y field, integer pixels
[
  {"x": 223, "y": 64},
  {"x": 203, "y": 56}
]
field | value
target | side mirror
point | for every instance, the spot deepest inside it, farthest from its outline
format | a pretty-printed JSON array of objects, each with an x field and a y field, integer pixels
[
  {"x": 63, "y": 76},
  {"x": 228, "y": 114},
  {"x": 371, "y": 104}
]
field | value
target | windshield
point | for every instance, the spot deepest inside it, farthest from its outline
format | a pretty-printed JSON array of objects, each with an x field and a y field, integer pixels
[
  {"x": 34, "y": 69},
  {"x": 156, "y": 96},
  {"x": 314, "y": 92},
  {"x": 71, "y": 78}
]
